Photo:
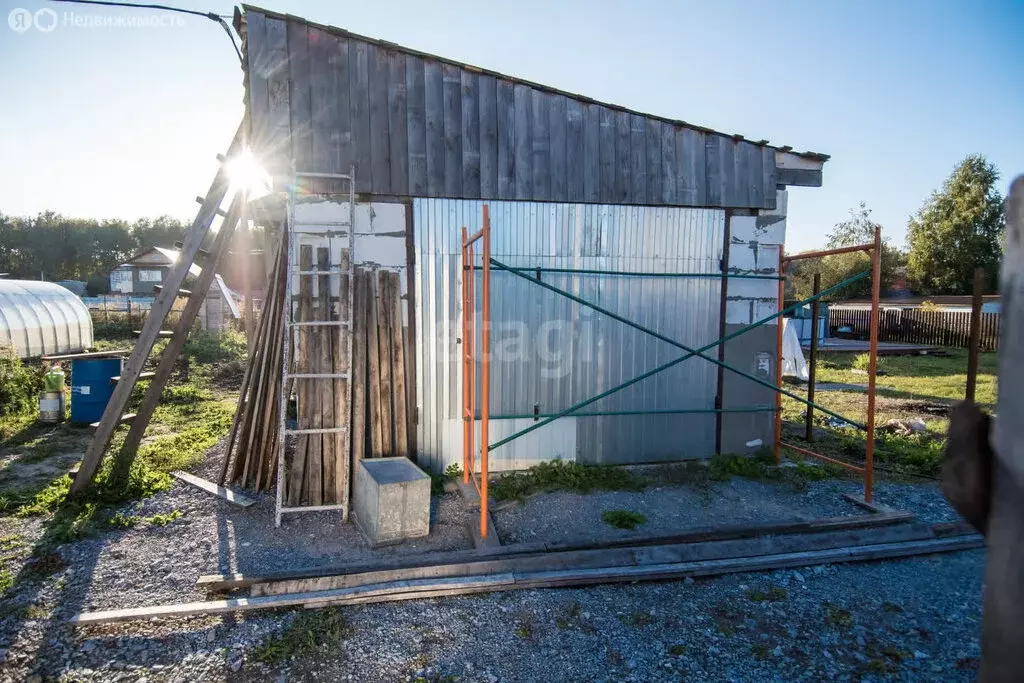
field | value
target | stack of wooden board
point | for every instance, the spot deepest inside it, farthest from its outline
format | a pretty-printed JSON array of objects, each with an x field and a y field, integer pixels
[
  {"x": 696, "y": 553},
  {"x": 254, "y": 430},
  {"x": 317, "y": 471},
  {"x": 381, "y": 401}
]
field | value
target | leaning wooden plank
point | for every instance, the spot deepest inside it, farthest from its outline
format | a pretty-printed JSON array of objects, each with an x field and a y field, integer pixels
[
  {"x": 272, "y": 602},
  {"x": 373, "y": 365},
  {"x": 219, "y": 491},
  {"x": 169, "y": 357},
  {"x": 394, "y": 302},
  {"x": 358, "y": 378},
  {"x": 340, "y": 349},
  {"x": 221, "y": 581},
  {"x": 258, "y": 383},
  {"x": 89, "y": 354},
  {"x": 151, "y": 327},
  {"x": 124, "y": 419},
  {"x": 384, "y": 359},
  {"x": 256, "y": 350},
  {"x": 325, "y": 356}
]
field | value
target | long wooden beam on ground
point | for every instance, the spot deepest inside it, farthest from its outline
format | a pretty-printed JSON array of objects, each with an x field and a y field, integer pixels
[
  {"x": 151, "y": 327},
  {"x": 218, "y": 582},
  {"x": 449, "y": 586}
]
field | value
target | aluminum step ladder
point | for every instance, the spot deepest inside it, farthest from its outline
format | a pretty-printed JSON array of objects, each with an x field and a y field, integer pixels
[{"x": 294, "y": 233}]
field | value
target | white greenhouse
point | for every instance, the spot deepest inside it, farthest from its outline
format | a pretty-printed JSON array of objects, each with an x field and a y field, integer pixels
[{"x": 40, "y": 318}]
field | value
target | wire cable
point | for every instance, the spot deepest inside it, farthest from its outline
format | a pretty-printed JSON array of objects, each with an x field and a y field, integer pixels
[{"x": 212, "y": 16}]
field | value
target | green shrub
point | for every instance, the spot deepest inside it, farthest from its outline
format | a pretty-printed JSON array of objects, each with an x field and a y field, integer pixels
[
  {"x": 567, "y": 476},
  {"x": 216, "y": 347},
  {"x": 19, "y": 384},
  {"x": 623, "y": 519}
]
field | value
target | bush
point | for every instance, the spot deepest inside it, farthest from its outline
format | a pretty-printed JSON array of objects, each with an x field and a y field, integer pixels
[
  {"x": 216, "y": 347},
  {"x": 19, "y": 384},
  {"x": 97, "y": 284}
]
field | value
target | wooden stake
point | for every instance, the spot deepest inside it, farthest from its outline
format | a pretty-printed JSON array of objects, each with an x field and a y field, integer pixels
[
  {"x": 342, "y": 337},
  {"x": 373, "y": 364},
  {"x": 359, "y": 370},
  {"x": 401, "y": 442},
  {"x": 383, "y": 304}
]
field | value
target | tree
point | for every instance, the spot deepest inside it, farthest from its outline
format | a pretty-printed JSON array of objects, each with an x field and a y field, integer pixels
[
  {"x": 958, "y": 229},
  {"x": 857, "y": 229}
]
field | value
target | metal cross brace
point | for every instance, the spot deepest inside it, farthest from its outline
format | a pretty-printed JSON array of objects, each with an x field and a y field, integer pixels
[{"x": 690, "y": 353}]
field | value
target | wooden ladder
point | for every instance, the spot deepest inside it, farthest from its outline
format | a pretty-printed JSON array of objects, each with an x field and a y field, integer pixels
[
  {"x": 319, "y": 471},
  {"x": 151, "y": 328}
]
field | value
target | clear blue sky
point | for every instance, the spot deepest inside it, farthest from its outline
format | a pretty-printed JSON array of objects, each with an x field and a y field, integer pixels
[{"x": 125, "y": 122}]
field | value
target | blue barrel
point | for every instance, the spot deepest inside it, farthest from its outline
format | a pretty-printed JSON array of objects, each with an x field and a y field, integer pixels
[{"x": 91, "y": 387}]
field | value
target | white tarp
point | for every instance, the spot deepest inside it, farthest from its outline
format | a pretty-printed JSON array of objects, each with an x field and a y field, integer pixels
[{"x": 793, "y": 363}]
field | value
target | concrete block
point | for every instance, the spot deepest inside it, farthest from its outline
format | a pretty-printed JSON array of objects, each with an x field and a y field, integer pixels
[{"x": 391, "y": 501}]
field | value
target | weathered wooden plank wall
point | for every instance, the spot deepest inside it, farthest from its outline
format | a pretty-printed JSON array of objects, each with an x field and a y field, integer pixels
[{"x": 414, "y": 125}]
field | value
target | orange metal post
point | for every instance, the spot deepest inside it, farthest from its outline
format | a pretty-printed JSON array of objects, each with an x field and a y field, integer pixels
[
  {"x": 778, "y": 363},
  {"x": 467, "y": 425},
  {"x": 485, "y": 379},
  {"x": 876, "y": 277},
  {"x": 471, "y": 304}
]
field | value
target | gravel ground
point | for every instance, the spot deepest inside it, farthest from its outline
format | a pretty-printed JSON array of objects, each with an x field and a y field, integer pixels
[
  {"x": 914, "y": 619},
  {"x": 561, "y": 516}
]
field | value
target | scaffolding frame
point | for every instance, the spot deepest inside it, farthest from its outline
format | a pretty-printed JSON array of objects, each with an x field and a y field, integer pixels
[
  {"x": 868, "y": 470},
  {"x": 469, "y": 361},
  {"x": 469, "y": 357}
]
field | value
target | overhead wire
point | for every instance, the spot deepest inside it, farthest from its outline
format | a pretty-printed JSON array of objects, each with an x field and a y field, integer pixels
[{"x": 212, "y": 16}]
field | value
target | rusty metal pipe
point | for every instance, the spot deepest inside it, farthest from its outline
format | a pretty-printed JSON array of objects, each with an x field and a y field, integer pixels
[
  {"x": 829, "y": 252},
  {"x": 876, "y": 283}
]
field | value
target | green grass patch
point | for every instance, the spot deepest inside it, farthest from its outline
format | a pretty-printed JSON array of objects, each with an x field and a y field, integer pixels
[
  {"x": 837, "y": 616},
  {"x": 6, "y": 580},
  {"x": 309, "y": 631},
  {"x": 559, "y": 475},
  {"x": 437, "y": 481},
  {"x": 637, "y": 619},
  {"x": 761, "y": 467},
  {"x": 623, "y": 519},
  {"x": 772, "y": 594},
  {"x": 677, "y": 650},
  {"x": 122, "y": 521},
  {"x": 164, "y": 519}
]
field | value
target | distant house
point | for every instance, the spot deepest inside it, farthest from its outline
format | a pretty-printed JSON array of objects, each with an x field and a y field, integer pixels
[{"x": 142, "y": 273}]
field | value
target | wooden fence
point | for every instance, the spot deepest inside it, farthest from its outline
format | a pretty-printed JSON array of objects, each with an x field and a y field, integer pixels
[{"x": 915, "y": 326}]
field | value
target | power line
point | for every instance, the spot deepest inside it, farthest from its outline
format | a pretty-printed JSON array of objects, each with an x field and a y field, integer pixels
[{"x": 212, "y": 16}]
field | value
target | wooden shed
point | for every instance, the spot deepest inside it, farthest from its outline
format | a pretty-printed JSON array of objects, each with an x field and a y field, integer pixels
[{"x": 659, "y": 219}]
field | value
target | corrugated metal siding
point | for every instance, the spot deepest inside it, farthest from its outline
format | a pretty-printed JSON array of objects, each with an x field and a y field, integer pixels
[{"x": 553, "y": 353}]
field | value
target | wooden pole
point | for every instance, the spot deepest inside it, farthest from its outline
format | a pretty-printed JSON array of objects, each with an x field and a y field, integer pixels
[
  {"x": 975, "y": 333},
  {"x": 777, "y": 446},
  {"x": 809, "y": 436}
]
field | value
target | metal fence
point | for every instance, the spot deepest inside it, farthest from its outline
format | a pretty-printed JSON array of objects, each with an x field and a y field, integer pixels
[{"x": 917, "y": 326}]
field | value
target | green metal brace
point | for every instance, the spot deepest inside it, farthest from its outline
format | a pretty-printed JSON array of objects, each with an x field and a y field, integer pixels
[{"x": 690, "y": 352}]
